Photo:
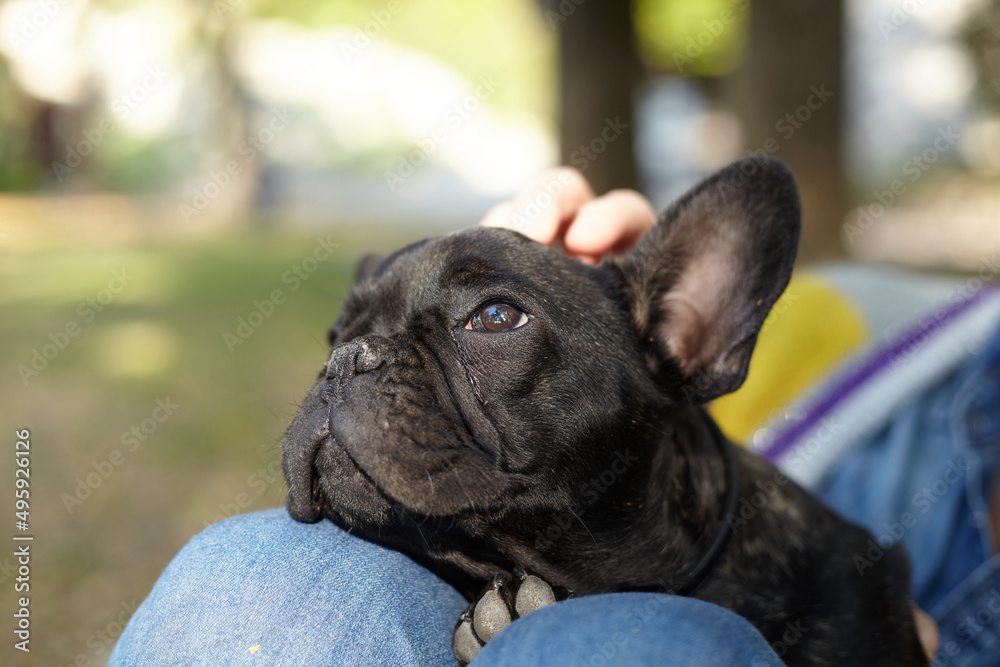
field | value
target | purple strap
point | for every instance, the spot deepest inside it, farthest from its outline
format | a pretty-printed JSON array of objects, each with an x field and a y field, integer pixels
[{"x": 877, "y": 361}]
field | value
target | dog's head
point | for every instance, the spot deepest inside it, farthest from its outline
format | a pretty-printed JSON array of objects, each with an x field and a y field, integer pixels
[{"x": 480, "y": 379}]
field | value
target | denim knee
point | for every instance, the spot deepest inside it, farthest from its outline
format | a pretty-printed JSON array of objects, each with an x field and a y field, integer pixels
[{"x": 263, "y": 587}]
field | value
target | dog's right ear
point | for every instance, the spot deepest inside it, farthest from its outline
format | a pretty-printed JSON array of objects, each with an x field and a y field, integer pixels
[
  {"x": 700, "y": 284},
  {"x": 367, "y": 266}
]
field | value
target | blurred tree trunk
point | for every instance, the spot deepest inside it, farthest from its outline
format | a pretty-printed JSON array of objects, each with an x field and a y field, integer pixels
[
  {"x": 598, "y": 74},
  {"x": 794, "y": 59},
  {"x": 215, "y": 31}
]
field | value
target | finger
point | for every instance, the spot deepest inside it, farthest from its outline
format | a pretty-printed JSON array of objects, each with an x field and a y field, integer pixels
[
  {"x": 610, "y": 224},
  {"x": 499, "y": 216},
  {"x": 545, "y": 207},
  {"x": 927, "y": 630}
]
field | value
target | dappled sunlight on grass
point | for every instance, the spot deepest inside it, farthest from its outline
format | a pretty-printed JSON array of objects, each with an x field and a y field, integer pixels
[{"x": 135, "y": 349}]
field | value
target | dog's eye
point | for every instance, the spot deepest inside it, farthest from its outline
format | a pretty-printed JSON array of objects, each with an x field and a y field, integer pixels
[{"x": 497, "y": 316}]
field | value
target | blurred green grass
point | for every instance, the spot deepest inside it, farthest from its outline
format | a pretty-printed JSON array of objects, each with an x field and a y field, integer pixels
[{"x": 160, "y": 338}]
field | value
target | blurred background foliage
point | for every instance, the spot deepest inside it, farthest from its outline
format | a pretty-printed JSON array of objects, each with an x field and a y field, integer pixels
[
  {"x": 219, "y": 150},
  {"x": 665, "y": 29}
]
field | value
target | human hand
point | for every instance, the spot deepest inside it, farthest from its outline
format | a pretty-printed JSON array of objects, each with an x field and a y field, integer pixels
[{"x": 559, "y": 209}]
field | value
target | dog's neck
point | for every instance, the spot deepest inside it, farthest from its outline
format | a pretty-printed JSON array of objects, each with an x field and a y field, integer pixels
[
  {"x": 670, "y": 503},
  {"x": 696, "y": 475},
  {"x": 688, "y": 582}
]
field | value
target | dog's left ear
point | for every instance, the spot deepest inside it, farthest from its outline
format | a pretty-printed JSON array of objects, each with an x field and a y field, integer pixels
[{"x": 700, "y": 284}]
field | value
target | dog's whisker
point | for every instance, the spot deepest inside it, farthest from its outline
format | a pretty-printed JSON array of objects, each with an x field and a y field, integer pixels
[
  {"x": 423, "y": 537},
  {"x": 458, "y": 479},
  {"x": 577, "y": 517}
]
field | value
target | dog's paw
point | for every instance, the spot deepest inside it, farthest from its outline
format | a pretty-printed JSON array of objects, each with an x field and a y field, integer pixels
[{"x": 501, "y": 602}]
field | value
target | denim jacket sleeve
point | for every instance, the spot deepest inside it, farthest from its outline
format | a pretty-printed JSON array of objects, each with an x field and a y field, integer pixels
[{"x": 922, "y": 470}]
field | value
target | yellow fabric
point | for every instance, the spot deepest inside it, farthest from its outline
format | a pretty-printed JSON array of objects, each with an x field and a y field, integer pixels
[{"x": 810, "y": 329}]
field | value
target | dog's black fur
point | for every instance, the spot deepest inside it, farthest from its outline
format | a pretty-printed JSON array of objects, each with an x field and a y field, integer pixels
[{"x": 574, "y": 445}]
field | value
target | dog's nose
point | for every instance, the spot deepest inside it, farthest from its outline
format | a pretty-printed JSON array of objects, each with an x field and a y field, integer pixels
[
  {"x": 368, "y": 358},
  {"x": 357, "y": 357}
]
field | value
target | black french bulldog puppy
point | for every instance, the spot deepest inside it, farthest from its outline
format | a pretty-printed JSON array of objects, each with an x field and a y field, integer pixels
[{"x": 482, "y": 386}]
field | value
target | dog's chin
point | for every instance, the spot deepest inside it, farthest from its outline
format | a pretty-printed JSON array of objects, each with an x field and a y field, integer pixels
[
  {"x": 346, "y": 494},
  {"x": 334, "y": 487},
  {"x": 325, "y": 482}
]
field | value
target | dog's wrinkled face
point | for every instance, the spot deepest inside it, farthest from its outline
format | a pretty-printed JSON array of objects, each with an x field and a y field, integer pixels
[
  {"x": 454, "y": 383},
  {"x": 476, "y": 379}
]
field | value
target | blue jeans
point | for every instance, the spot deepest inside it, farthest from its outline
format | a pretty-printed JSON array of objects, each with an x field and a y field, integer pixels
[{"x": 262, "y": 589}]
